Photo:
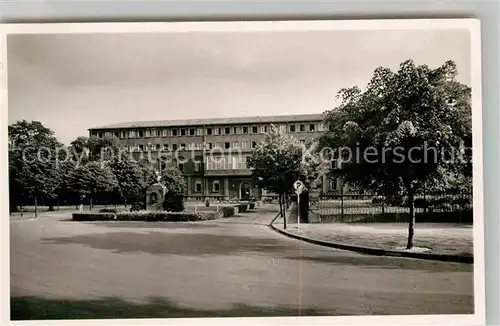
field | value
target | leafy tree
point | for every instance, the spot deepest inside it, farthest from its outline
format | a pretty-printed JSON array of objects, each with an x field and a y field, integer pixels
[
  {"x": 173, "y": 180},
  {"x": 132, "y": 183},
  {"x": 279, "y": 161},
  {"x": 397, "y": 134},
  {"x": 33, "y": 159},
  {"x": 102, "y": 181},
  {"x": 175, "y": 186},
  {"x": 94, "y": 148}
]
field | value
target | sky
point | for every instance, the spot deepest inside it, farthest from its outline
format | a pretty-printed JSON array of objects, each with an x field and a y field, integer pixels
[{"x": 72, "y": 82}]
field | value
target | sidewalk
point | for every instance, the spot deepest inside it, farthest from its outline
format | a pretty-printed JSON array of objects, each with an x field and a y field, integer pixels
[{"x": 451, "y": 241}]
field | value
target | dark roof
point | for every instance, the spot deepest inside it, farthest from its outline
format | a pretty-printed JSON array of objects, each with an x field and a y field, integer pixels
[{"x": 214, "y": 121}]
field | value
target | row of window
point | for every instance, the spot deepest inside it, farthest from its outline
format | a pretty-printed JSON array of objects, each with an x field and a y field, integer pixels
[
  {"x": 310, "y": 127},
  {"x": 193, "y": 146},
  {"x": 215, "y": 186},
  {"x": 229, "y": 162}
]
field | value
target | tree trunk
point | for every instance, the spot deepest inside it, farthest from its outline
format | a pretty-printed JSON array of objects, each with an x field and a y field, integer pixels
[
  {"x": 284, "y": 212},
  {"x": 303, "y": 213},
  {"x": 411, "y": 224},
  {"x": 36, "y": 207},
  {"x": 58, "y": 203},
  {"x": 90, "y": 204}
]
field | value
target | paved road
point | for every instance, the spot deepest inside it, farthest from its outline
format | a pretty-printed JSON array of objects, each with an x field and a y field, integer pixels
[{"x": 231, "y": 267}]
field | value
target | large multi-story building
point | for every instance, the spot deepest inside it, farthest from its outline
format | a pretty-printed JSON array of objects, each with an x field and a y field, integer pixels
[{"x": 211, "y": 153}]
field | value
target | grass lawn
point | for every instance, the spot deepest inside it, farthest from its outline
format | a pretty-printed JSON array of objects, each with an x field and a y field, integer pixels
[{"x": 441, "y": 238}]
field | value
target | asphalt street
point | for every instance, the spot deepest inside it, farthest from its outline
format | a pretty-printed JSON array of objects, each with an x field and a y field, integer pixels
[{"x": 232, "y": 267}]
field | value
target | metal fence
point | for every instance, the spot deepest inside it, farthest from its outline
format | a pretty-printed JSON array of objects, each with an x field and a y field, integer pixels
[{"x": 353, "y": 207}]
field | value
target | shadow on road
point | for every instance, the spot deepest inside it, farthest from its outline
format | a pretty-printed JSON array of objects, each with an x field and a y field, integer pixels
[
  {"x": 381, "y": 262},
  {"x": 30, "y": 308}
]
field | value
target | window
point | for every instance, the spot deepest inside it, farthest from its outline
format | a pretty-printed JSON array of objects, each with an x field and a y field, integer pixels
[
  {"x": 141, "y": 148},
  {"x": 218, "y": 145},
  {"x": 199, "y": 132},
  {"x": 132, "y": 134},
  {"x": 197, "y": 166},
  {"x": 181, "y": 167},
  {"x": 183, "y": 132},
  {"x": 174, "y": 147},
  {"x": 333, "y": 184},
  {"x": 191, "y": 132},
  {"x": 165, "y": 147},
  {"x": 264, "y": 129},
  {"x": 219, "y": 131},
  {"x": 311, "y": 127},
  {"x": 236, "y": 144},
  {"x": 99, "y": 134},
  {"x": 227, "y": 130},
  {"x": 244, "y": 144},
  {"x": 165, "y": 132},
  {"x": 148, "y": 133},
  {"x": 292, "y": 128},
  {"x": 155, "y": 133},
  {"x": 158, "y": 147},
  {"x": 302, "y": 128},
  {"x": 335, "y": 164},
  {"x": 117, "y": 134},
  {"x": 183, "y": 146},
  {"x": 209, "y": 145},
  {"x": 302, "y": 141},
  {"x": 209, "y": 131},
  {"x": 245, "y": 130},
  {"x": 255, "y": 130},
  {"x": 197, "y": 186},
  {"x": 235, "y": 130},
  {"x": 175, "y": 132},
  {"x": 216, "y": 131},
  {"x": 254, "y": 144},
  {"x": 141, "y": 134},
  {"x": 227, "y": 145},
  {"x": 321, "y": 127},
  {"x": 216, "y": 186}
]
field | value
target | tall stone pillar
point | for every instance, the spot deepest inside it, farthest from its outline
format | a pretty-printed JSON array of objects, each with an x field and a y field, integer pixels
[
  {"x": 189, "y": 186},
  {"x": 325, "y": 184},
  {"x": 226, "y": 187}
]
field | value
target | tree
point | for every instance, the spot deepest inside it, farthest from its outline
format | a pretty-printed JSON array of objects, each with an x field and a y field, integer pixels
[
  {"x": 101, "y": 180},
  {"x": 279, "y": 161},
  {"x": 396, "y": 135},
  {"x": 94, "y": 149},
  {"x": 175, "y": 186},
  {"x": 132, "y": 183},
  {"x": 33, "y": 160}
]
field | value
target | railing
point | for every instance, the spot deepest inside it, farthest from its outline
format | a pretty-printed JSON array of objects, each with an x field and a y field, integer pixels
[{"x": 352, "y": 207}]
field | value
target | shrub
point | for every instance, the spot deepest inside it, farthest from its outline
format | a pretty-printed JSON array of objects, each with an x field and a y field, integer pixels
[
  {"x": 149, "y": 216},
  {"x": 242, "y": 208},
  {"x": 113, "y": 210},
  {"x": 93, "y": 216},
  {"x": 251, "y": 205},
  {"x": 173, "y": 203},
  {"x": 378, "y": 200},
  {"x": 228, "y": 211}
]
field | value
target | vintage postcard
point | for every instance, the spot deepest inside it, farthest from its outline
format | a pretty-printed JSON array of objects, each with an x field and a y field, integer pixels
[{"x": 296, "y": 172}]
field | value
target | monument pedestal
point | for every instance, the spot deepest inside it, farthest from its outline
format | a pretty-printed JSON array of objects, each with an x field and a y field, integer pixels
[{"x": 155, "y": 195}]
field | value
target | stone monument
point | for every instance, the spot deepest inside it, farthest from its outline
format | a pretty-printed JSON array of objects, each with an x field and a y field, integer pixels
[{"x": 155, "y": 195}]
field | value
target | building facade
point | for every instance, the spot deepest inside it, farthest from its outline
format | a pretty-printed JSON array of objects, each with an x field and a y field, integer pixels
[{"x": 211, "y": 153}]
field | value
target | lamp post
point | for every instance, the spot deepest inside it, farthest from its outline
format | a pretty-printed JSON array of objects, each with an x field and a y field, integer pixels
[{"x": 298, "y": 186}]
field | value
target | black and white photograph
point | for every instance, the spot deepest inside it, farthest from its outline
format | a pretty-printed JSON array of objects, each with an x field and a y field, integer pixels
[{"x": 318, "y": 171}]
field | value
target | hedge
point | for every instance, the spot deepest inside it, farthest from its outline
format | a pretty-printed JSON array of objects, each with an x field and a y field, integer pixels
[
  {"x": 228, "y": 211},
  {"x": 156, "y": 216},
  {"x": 93, "y": 216},
  {"x": 242, "y": 208},
  {"x": 113, "y": 210}
]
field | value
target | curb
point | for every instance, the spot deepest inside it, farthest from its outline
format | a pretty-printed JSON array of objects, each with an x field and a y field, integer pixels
[{"x": 376, "y": 251}]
